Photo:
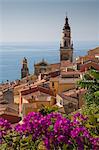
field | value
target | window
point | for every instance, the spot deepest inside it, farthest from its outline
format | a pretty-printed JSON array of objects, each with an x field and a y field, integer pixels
[
  {"x": 65, "y": 35},
  {"x": 65, "y": 44},
  {"x": 52, "y": 84}
]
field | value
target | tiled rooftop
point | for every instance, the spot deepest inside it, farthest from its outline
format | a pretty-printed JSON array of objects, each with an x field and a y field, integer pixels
[
  {"x": 64, "y": 80},
  {"x": 9, "y": 109},
  {"x": 37, "y": 96},
  {"x": 74, "y": 92},
  {"x": 70, "y": 72},
  {"x": 36, "y": 89}
]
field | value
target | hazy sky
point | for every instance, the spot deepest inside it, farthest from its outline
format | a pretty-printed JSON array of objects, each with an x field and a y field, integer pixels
[{"x": 43, "y": 20}]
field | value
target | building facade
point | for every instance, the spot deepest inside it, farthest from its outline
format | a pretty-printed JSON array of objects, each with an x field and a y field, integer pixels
[
  {"x": 41, "y": 67},
  {"x": 66, "y": 47}
]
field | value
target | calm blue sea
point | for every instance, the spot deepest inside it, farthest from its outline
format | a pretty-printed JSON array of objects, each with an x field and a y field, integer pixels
[{"x": 11, "y": 55}]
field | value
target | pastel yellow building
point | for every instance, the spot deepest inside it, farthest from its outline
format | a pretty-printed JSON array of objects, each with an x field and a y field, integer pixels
[
  {"x": 32, "y": 103},
  {"x": 59, "y": 85}
]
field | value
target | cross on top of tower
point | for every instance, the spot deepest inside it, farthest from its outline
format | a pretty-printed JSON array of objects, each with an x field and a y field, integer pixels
[
  {"x": 66, "y": 18},
  {"x": 66, "y": 25},
  {"x": 66, "y": 14}
]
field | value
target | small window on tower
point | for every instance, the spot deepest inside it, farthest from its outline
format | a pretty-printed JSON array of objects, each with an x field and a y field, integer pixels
[
  {"x": 65, "y": 44},
  {"x": 65, "y": 35},
  {"x": 52, "y": 84}
]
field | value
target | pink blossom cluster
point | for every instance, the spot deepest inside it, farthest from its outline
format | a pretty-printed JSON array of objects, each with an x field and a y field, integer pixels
[
  {"x": 5, "y": 127},
  {"x": 56, "y": 131}
]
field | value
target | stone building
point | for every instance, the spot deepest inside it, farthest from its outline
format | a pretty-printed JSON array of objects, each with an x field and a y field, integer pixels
[
  {"x": 89, "y": 65},
  {"x": 66, "y": 47},
  {"x": 94, "y": 51},
  {"x": 32, "y": 99},
  {"x": 7, "y": 96},
  {"x": 61, "y": 84},
  {"x": 24, "y": 70},
  {"x": 44, "y": 67},
  {"x": 41, "y": 67},
  {"x": 68, "y": 103},
  {"x": 89, "y": 61},
  {"x": 10, "y": 112}
]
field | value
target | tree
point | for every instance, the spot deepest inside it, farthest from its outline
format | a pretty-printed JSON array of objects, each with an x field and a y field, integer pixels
[{"x": 90, "y": 81}]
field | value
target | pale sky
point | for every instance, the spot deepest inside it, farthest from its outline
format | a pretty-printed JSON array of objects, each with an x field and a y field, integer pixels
[{"x": 43, "y": 20}]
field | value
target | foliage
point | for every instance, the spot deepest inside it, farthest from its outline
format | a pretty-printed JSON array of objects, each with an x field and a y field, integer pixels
[
  {"x": 49, "y": 132},
  {"x": 92, "y": 123},
  {"x": 47, "y": 110},
  {"x": 90, "y": 110},
  {"x": 90, "y": 81}
]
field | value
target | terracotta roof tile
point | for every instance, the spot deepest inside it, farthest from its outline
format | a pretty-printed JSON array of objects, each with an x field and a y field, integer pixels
[
  {"x": 74, "y": 92},
  {"x": 89, "y": 64},
  {"x": 35, "y": 89},
  {"x": 70, "y": 72},
  {"x": 55, "y": 66},
  {"x": 94, "y": 51}
]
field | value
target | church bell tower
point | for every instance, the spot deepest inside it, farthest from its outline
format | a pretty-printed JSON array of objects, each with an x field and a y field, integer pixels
[
  {"x": 66, "y": 47},
  {"x": 24, "y": 70}
]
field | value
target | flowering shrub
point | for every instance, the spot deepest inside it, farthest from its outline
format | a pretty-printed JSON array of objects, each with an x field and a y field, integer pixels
[
  {"x": 5, "y": 127},
  {"x": 92, "y": 123},
  {"x": 54, "y": 132}
]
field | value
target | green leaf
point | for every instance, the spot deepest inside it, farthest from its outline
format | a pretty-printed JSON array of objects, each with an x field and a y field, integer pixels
[
  {"x": 65, "y": 147},
  {"x": 51, "y": 127}
]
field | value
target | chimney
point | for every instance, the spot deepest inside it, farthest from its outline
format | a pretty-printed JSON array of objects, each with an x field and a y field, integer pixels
[{"x": 66, "y": 69}]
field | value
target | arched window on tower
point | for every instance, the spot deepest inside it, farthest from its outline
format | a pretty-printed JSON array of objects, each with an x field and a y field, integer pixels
[
  {"x": 65, "y": 35},
  {"x": 65, "y": 44}
]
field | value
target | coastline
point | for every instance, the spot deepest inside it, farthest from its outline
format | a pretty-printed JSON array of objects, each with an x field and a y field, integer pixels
[{"x": 11, "y": 56}]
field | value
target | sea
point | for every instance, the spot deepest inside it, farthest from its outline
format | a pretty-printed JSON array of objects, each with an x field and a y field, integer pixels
[{"x": 12, "y": 54}]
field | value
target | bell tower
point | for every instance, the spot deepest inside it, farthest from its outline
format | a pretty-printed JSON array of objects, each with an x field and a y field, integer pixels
[
  {"x": 24, "y": 70},
  {"x": 66, "y": 47}
]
